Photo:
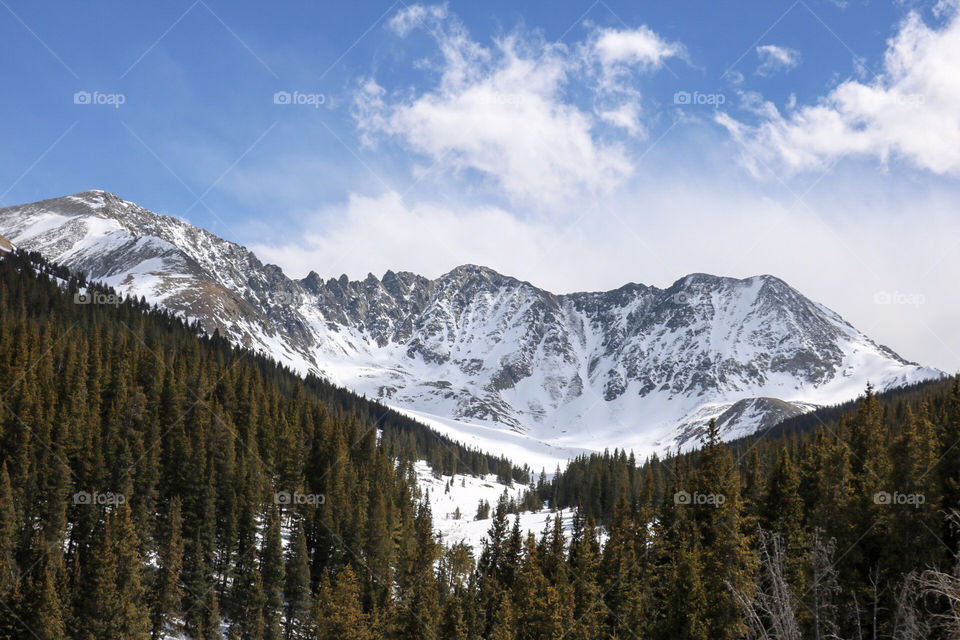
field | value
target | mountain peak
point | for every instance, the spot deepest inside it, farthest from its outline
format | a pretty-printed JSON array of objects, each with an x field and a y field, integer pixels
[
  {"x": 96, "y": 193},
  {"x": 468, "y": 278},
  {"x": 99, "y": 200},
  {"x": 709, "y": 279},
  {"x": 484, "y": 357},
  {"x": 473, "y": 270}
]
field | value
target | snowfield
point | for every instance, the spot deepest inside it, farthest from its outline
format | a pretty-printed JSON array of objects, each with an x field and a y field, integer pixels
[{"x": 465, "y": 493}]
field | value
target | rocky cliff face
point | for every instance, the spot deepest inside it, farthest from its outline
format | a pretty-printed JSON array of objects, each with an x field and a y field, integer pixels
[{"x": 487, "y": 358}]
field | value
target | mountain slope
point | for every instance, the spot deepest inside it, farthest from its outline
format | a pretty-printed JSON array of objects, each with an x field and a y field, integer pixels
[{"x": 486, "y": 358}]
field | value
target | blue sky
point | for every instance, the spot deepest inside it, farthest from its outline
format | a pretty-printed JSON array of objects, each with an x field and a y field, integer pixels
[{"x": 575, "y": 144}]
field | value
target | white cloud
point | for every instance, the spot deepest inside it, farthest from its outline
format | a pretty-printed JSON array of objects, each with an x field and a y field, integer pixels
[
  {"x": 615, "y": 57},
  {"x": 641, "y": 47},
  {"x": 910, "y": 111},
  {"x": 423, "y": 237},
  {"x": 774, "y": 58},
  {"x": 415, "y": 15},
  {"x": 505, "y": 111},
  {"x": 626, "y": 116}
]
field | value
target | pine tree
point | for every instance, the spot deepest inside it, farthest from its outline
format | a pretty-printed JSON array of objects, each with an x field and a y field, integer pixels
[
  {"x": 754, "y": 483},
  {"x": 783, "y": 513},
  {"x": 272, "y": 573},
  {"x": 727, "y": 563},
  {"x": 43, "y": 612},
  {"x": 114, "y": 604},
  {"x": 913, "y": 476},
  {"x": 623, "y": 585},
  {"x": 417, "y": 608},
  {"x": 869, "y": 516},
  {"x": 504, "y": 620},
  {"x": 948, "y": 463},
  {"x": 167, "y": 591},
  {"x": 296, "y": 591},
  {"x": 248, "y": 598},
  {"x": 584, "y": 561},
  {"x": 9, "y": 572},
  {"x": 490, "y": 567},
  {"x": 689, "y": 603},
  {"x": 452, "y": 625},
  {"x": 829, "y": 489},
  {"x": 133, "y": 617},
  {"x": 339, "y": 613}
]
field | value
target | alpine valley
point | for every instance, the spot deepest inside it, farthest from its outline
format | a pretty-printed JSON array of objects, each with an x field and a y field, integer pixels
[{"x": 485, "y": 358}]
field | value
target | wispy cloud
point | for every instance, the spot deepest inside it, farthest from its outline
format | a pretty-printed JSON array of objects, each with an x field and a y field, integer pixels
[
  {"x": 504, "y": 111},
  {"x": 774, "y": 58},
  {"x": 910, "y": 111}
]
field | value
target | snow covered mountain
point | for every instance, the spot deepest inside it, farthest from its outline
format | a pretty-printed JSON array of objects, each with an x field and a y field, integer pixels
[{"x": 483, "y": 357}]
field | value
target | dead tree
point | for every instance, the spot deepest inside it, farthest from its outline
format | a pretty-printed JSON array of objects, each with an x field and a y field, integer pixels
[
  {"x": 909, "y": 622},
  {"x": 944, "y": 589},
  {"x": 825, "y": 587},
  {"x": 769, "y": 609}
]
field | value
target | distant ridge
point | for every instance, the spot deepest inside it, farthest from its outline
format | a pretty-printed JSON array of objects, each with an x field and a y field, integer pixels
[{"x": 483, "y": 357}]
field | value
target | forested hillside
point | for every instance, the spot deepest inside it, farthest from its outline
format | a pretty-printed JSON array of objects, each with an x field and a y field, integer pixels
[
  {"x": 842, "y": 531},
  {"x": 153, "y": 480},
  {"x": 158, "y": 483}
]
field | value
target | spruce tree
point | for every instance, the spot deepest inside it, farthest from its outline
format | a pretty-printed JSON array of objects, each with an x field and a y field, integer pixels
[
  {"x": 948, "y": 463},
  {"x": 43, "y": 613},
  {"x": 9, "y": 572},
  {"x": 783, "y": 513},
  {"x": 272, "y": 574},
  {"x": 622, "y": 582},
  {"x": 133, "y": 615},
  {"x": 588, "y": 608},
  {"x": 339, "y": 613},
  {"x": 417, "y": 607},
  {"x": 99, "y": 615},
  {"x": 727, "y": 562},
  {"x": 168, "y": 594},
  {"x": 296, "y": 591}
]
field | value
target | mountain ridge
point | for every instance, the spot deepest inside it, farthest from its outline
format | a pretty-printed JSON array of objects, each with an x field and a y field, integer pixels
[{"x": 479, "y": 354}]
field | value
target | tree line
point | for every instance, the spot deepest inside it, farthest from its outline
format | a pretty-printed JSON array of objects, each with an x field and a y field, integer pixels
[
  {"x": 845, "y": 531},
  {"x": 156, "y": 482}
]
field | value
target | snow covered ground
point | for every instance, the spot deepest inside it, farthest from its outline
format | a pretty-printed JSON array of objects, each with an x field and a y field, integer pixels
[{"x": 465, "y": 493}]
